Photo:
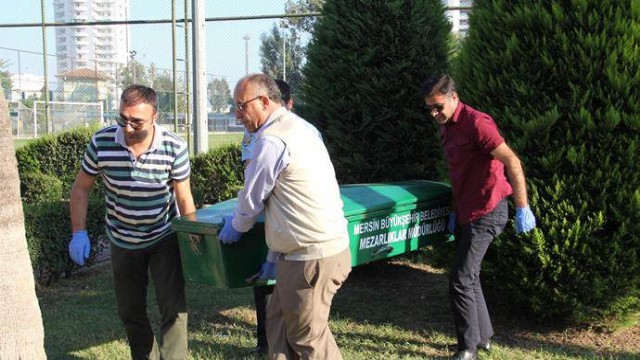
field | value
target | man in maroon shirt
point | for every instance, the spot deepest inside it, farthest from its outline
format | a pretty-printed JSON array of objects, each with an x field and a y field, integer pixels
[{"x": 478, "y": 159}]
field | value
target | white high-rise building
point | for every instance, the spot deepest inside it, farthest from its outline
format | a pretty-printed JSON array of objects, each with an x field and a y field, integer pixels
[
  {"x": 101, "y": 48},
  {"x": 460, "y": 17}
]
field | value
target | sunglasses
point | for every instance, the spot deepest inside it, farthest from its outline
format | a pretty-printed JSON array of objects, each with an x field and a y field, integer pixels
[
  {"x": 135, "y": 123},
  {"x": 437, "y": 107}
]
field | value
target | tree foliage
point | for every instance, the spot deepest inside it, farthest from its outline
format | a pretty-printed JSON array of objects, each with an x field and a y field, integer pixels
[
  {"x": 162, "y": 82},
  {"x": 560, "y": 78},
  {"x": 5, "y": 79},
  {"x": 271, "y": 56},
  {"x": 306, "y": 23},
  {"x": 219, "y": 95},
  {"x": 366, "y": 62},
  {"x": 133, "y": 73}
]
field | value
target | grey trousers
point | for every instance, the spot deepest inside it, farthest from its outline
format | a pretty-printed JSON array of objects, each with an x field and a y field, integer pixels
[{"x": 471, "y": 316}]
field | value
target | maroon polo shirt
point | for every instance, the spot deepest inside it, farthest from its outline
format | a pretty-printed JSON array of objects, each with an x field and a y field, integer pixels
[{"x": 477, "y": 179}]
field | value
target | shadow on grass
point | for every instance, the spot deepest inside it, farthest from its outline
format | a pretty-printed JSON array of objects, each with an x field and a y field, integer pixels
[
  {"x": 402, "y": 293},
  {"x": 79, "y": 313},
  {"x": 395, "y": 293}
]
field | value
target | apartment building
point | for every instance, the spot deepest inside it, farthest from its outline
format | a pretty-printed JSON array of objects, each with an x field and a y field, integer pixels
[
  {"x": 102, "y": 49},
  {"x": 459, "y": 17},
  {"x": 26, "y": 85}
]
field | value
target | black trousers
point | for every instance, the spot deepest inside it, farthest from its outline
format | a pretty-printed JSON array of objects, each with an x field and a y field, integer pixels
[
  {"x": 471, "y": 316},
  {"x": 131, "y": 270},
  {"x": 261, "y": 297}
]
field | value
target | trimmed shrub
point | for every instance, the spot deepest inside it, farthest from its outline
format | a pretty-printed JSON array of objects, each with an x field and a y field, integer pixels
[
  {"x": 216, "y": 175},
  {"x": 38, "y": 187},
  {"x": 561, "y": 78},
  {"x": 48, "y": 167},
  {"x": 48, "y": 231},
  {"x": 366, "y": 63},
  {"x": 58, "y": 155}
]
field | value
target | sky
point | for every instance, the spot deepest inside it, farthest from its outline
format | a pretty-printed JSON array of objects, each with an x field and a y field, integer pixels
[{"x": 225, "y": 47}]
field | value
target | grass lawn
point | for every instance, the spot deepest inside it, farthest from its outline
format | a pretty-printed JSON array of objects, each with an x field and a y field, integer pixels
[
  {"x": 396, "y": 309},
  {"x": 219, "y": 139}
]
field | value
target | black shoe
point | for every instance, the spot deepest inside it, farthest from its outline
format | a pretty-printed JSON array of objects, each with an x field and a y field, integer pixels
[
  {"x": 261, "y": 350},
  {"x": 465, "y": 355},
  {"x": 484, "y": 345}
]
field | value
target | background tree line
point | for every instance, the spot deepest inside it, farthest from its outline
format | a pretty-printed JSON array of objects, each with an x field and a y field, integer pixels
[{"x": 219, "y": 93}]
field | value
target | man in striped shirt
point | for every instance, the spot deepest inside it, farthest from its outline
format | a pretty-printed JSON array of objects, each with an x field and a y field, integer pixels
[{"x": 145, "y": 171}]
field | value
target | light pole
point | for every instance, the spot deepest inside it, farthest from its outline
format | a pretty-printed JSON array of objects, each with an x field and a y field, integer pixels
[
  {"x": 20, "y": 77},
  {"x": 284, "y": 26},
  {"x": 133, "y": 53},
  {"x": 246, "y": 53}
]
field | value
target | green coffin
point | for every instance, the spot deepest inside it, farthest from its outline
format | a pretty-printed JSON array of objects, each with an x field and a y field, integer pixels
[{"x": 384, "y": 220}]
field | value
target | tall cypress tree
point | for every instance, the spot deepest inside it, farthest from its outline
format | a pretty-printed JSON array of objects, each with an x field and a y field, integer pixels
[
  {"x": 366, "y": 62},
  {"x": 561, "y": 78}
]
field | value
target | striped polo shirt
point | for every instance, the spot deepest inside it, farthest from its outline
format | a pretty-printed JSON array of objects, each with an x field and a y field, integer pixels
[{"x": 139, "y": 193}]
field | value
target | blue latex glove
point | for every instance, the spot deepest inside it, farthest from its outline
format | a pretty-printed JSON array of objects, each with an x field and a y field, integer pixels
[
  {"x": 229, "y": 235},
  {"x": 452, "y": 222},
  {"x": 267, "y": 271},
  {"x": 79, "y": 247},
  {"x": 525, "y": 221}
]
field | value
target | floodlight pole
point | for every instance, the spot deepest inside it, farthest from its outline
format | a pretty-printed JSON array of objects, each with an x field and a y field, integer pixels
[
  {"x": 246, "y": 53},
  {"x": 46, "y": 71},
  {"x": 284, "y": 50},
  {"x": 201, "y": 129}
]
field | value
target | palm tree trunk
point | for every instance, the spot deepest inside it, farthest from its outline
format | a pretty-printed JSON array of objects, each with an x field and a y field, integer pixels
[{"x": 21, "y": 330}]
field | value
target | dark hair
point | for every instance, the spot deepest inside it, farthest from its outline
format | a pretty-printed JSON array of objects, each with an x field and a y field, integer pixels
[
  {"x": 438, "y": 84},
  {"x": 136, "y": 94},
  {"x": 285, "y": 90},
  {"x": 265, "y": 84}
]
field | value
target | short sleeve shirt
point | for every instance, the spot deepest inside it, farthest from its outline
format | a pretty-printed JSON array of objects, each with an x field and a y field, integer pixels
[
  {"x": 139, "y": 197},
  {"x": 477, "y": 178}
]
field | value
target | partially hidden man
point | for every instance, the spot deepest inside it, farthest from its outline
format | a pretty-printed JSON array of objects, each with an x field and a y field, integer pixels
[
  {"x": 483, "y": 171},
  {"x": 292, "y": 179},
  {"x": 145, "y": 171}
]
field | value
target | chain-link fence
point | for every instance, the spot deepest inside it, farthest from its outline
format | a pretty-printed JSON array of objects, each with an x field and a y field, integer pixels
[
  {"x": 95, "y": 48},
  {"x": 31, "y": 122},
  {"x": 89, "y": 63}
]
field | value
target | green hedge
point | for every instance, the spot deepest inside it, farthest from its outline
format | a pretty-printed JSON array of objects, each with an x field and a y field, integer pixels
[
  {"x": 37, "y": 187},
  {"x": 561, "y": 79},
  {"x": 48, "y": 231},
  {"x": 48, "y": 167},
  {"x": 58, "y": 155},
  {"x": 216, "y": 175}
]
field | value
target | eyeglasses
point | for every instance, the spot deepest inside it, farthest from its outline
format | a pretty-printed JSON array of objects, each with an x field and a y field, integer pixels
[
  {"x": 135, "y": 123},
  {"x": 240, "y": 106},
  {"x": 437, "y": 107}
]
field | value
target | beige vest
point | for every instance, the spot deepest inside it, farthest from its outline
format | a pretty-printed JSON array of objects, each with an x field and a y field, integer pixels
[{"x": 303, "y": 215}]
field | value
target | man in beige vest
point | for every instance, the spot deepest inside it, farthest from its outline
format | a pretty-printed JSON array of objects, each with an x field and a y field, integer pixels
[{"x": 292, "y": 179}]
